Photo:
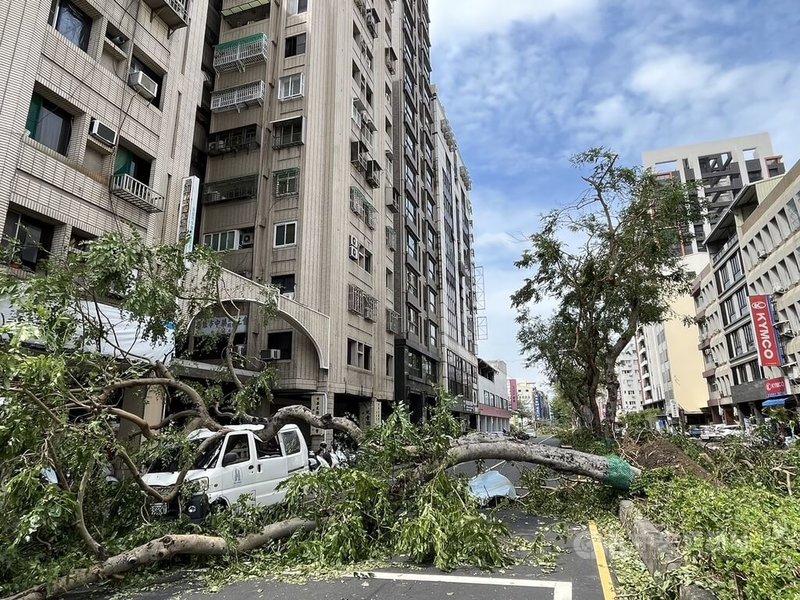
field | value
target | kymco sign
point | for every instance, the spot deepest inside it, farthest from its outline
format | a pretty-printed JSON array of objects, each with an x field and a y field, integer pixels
[{"x": 769, "y": 353}]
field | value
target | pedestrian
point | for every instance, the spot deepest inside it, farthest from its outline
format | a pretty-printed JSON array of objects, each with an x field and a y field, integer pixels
[{"x": 324, "y": 455}]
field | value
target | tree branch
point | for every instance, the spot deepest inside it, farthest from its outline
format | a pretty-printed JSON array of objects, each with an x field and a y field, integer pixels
[{"x": 80, "y": 522}]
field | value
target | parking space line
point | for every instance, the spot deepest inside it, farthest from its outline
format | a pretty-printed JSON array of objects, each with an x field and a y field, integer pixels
[
  {"x": 562, "y": 590},
  {"x": 602, "y": 563}
]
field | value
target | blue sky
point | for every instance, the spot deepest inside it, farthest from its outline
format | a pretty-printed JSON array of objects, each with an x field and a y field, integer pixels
[{"x": 527, "y": 83}]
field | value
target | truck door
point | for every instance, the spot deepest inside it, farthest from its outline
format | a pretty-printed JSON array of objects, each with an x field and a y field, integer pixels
[
  {"x": 296, "y": 458},
  {"x": 271, "y": 470},
  {"x": 240, "y": 476}
]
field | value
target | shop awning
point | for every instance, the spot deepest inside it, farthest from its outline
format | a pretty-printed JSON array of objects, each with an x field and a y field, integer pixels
[{"x": 773, "y": 402}]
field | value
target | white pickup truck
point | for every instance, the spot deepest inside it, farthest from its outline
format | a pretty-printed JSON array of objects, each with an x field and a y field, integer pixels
[{"x": 238, "y": 463}]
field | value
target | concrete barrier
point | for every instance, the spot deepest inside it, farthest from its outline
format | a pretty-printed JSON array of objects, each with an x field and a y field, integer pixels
[{"x": 658, "y": 553}]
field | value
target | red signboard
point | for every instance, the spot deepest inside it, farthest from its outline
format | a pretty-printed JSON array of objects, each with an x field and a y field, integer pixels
[
  {"x": 769, "y": 353},
  {"x": 775, "y": 387}
]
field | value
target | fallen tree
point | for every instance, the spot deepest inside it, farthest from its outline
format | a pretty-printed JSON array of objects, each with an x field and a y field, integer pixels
[{"x": 65, "y": 369}]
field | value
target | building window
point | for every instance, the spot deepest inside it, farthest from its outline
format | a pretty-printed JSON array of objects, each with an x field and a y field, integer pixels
[
  {"x": 295, "y": 7},
  {"x": 295, "y": 45},
  {"x": 359, "y": 355},
  {"x": 411, "y": 246},
  {"x": 389, "y": 365},
  {"x": 128, "y": 163},
  {"x": 291, "y": 86},
  {"x": 412, "y": 283},
  {"x": 288, "y": 133},
  {"x": 48, "y": 124},
  {"x": 364, "y": 259},
  {"x": 413, "y": 320},
  {"x": 281, "y": 341},
  {"x": 433, "y": 334},
  {"x": 221, "y": 241},
  {"x": 284, "y": 283},
  {"x": 287, "y": 182},
  {"x": 26, "y": 241},
  {"x": 285, "y": 234},
  {"x": 432, "y": 300},
  {"x": 71, "y": 22},
  {"x": 431, "y": 270}
]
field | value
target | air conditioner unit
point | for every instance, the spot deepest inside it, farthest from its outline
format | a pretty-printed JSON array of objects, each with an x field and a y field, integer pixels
[
  {"x": 779, "y": 291},
  {"x": 353, "y": 252},
  {"x": 246, "y": 239},
  {"x": 103, "y": 132},
  {"x": 271, "y": 354},
  {"x": 353, "y": 242},
  {"x": 763, "y": 254},
  {"x": 143, "y": 84},
  {"x": 211, "y": 197}
]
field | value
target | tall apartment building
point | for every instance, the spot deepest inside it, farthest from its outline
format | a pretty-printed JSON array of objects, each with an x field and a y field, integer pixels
[
  {"x": 671, "y": 365},
  {"x": 753, "y": 274},
  {"x": 723, "y": 167},
  {"x": 456, "y": 260},
  {"x": 299, "y": 190},
  {"x": 417, "y": 264},
  {"x": 97, "y": 104},
  {"x": 530, "y": 398},
  {"x": 630, "y": 381}
]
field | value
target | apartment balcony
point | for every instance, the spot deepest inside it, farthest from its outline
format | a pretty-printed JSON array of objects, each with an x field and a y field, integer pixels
[
  {"x": 239, "y": 188},
  {"x": 705, "y": 343},
  {"x": 238, "y": 98},
  {"x": 172, "y": 12},
  {"x": 137, "y": 193},
  {"x": 233, "y": 140},
  {"x": 392, "y": 200},
  {"x": 392, "y": 321},
  {"x": 709, "y": 372},
  {"x": 239, "y": 54}
]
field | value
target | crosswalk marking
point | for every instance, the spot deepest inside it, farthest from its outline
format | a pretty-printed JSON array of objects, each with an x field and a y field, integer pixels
[{"x": 562, "y": 590}]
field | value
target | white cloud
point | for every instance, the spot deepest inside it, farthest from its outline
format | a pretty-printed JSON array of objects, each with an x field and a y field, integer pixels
[{"x": 457, "y": 21}]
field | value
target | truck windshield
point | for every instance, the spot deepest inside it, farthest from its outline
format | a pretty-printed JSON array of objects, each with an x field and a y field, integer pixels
[{"x": 208, "y": 459}]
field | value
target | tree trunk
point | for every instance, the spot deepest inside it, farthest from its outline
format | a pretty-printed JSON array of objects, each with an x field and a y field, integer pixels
[
  {"x": 162, "y": 549},
  {"x": 599, "y": 468}
]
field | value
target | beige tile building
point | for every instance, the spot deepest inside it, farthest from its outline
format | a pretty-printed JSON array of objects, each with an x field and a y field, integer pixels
[{"x": 96, "y": 111}]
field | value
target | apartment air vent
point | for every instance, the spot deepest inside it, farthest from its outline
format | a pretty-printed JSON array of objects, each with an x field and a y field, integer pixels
[
  {"x": 103, "y": 132},
  {"x": 143, "y": 84}
]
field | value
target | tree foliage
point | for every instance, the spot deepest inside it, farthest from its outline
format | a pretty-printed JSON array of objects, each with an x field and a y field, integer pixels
[{"x": 612, "y": 262}]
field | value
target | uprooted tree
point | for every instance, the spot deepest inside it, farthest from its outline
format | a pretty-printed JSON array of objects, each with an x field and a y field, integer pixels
[
  {"x": 612, "y": 262},
  {"x": 65, "y": 366}
]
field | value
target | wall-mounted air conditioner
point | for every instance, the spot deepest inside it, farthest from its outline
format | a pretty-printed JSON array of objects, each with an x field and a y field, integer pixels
[
  {"x": 353, "y": 253},
  {"x": 246, "y": 239},
  {"x": 779, "y": 291},
  {"x": 143, "y": 84},
  {"x": 271, "y": 354},
  {"x": 103, "y": 132}
]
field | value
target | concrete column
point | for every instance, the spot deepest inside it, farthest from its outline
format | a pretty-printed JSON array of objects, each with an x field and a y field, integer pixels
[
  {"x": 757, "y": 412},
  {"x": 320, "y": 405}
]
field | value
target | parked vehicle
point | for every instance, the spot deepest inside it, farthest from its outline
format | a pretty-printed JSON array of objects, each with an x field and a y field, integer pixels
[{"x": 238, "y": 463}]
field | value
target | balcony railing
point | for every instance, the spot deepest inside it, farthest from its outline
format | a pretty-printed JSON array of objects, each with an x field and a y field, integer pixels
[
  {"x": 237, "y": 55},
  {"x": 137, "y": 193},
  {"x": 239, "y": 97},
  {"x": 233, "y": 140},
  {"x": 172, "y": 12},
  {"x": 239, "y": 188}
]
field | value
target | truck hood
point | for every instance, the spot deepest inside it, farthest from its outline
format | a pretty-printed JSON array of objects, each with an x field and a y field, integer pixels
[{"x": 169, "y": 479}]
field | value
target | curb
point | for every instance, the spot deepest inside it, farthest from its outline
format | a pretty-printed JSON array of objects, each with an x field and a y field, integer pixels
[{"x": 659, "y": 555}]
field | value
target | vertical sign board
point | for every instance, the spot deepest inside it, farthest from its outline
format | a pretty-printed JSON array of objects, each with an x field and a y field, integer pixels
[
  {"x": 187, "y": 211},
  {"x": 769, "y": 351}
]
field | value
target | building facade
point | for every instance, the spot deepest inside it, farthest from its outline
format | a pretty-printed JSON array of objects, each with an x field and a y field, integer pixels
[
  {"x": 493, "y": 404},
  {"x": 752, "y": 364},
  {"x": 630, "y": 380},
  {"x": 671, "y": 365},
  {"x": 96, "y": 115}
]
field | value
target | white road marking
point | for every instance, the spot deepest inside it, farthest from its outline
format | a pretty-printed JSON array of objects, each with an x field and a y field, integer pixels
[{"x": 562, "y": 590}]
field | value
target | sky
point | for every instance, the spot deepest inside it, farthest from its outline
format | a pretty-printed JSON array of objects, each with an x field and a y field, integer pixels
[{"x": 528, "y": 83}]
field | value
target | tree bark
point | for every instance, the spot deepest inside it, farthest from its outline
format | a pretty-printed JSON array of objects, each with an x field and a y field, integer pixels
[
  {"x": 480, "y": 447},
  {"x": 159, "y": 550}
]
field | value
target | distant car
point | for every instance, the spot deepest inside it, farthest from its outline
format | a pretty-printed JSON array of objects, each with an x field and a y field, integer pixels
[{"x": 694, "y": 432}]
